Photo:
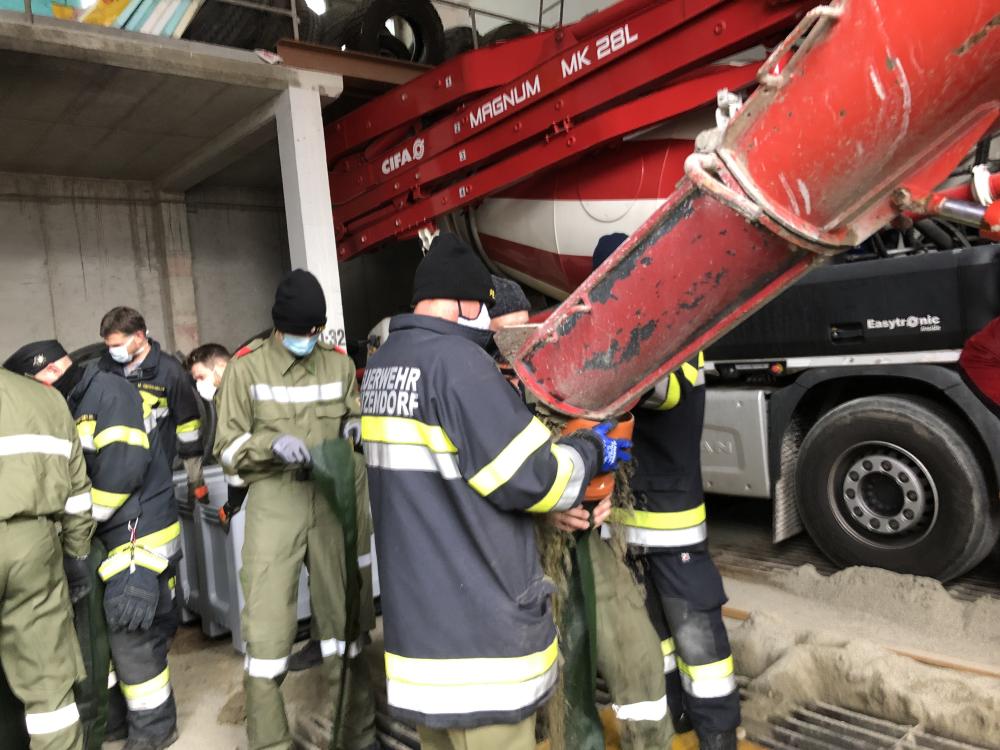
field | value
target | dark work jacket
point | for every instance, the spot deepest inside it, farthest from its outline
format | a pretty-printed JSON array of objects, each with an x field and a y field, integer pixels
[
  {"x": 456, "y": 465},
  {"x": 669, "y": 500},
  {"x": 169, "y": 401},
  {"x": 130, "y": 479}
]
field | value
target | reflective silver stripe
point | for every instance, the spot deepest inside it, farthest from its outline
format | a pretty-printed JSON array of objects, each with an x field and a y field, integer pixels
[
  {"x": 235, "y": 480},
  {"x": 169, "y": 549},
  {"x": 644, "y": 711},
  {"x": 266, "y": 669},
  {"x": 716, "y": 687},
  {"x": 666, "y": 537},
  {"x": 700, "y": 380},
  {"x": 669, "y": 663},
  {"x": 365, "y": 561},
  {"x": 229, "y": 454},
  {"x": 189, "y": 437},
  {"x": 297, "y": 394},
  {"x": 112, "y": 679},
  {"x": 334, "y": 647},
  {"x": 52, "y": 721},
  {"x": 149, "y": 422},
  {"x": 15, "y": 445},
  {"x": 575, "y": 485},
  {"x": 467, "y": 699},
  {"x": 411, "y": 458},
  {"x": 101, "y": 513},
  {"x": 78, "y": 505},
  {"x": 87, "y": 443},
  {"x": 149, "y": 701}
]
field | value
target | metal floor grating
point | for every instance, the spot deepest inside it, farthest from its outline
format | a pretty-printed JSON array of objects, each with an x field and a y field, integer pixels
[{"x": 823, "y": 726}]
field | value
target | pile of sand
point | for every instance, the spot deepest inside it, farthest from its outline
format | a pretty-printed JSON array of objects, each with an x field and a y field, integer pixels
[{"x": 789, "y": 667}]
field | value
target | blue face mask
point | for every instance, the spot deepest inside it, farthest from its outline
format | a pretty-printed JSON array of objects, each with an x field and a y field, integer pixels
[{"x": 299, "y": 346}]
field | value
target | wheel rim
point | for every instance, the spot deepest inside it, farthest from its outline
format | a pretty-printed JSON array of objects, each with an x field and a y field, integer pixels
[{"x": 883, "y": 495}]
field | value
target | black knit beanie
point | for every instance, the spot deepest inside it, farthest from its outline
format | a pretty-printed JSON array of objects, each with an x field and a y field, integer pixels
[
  {"x": 510, "y": 298},
  {"x": 452, "y": 270},
  {"x": 299, "y": 304}
]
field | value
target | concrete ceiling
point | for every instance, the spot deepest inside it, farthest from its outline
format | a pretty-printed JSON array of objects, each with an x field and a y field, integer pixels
[
  {"x": 80, "y": 119},
  {"x": 258, "y": 169}
]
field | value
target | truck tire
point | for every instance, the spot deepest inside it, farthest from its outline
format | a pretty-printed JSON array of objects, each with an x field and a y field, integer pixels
[
  {"x": 896, "y": 482},
  {"x": 506, "y": 32}
]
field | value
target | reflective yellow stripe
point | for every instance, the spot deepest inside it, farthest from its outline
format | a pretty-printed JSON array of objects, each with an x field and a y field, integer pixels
[
  {"x": 701, "y": 360},
  {"x": 402, "y": 431},
  {"x": 477, "y": 671},
  {"x": 108, "y": 499},
  {"x": 715, "y": 670},
  {"x": 154, "y": 540},
  {"x": 646, "y": 519},
  {"x": 690, "y": 372},
  {"x": 564, "y": 470},
  {"x": 499, "y": 471},
  {"x": 121, "y": 434},
  {"x": 120, "y": 561},
  {"x": 172, "y": 582},
  {"x": 667, "y": 646},
  {"x": 149, "y": 686},
  {"x": 673, "y": 396},
  {"x": 193, "y": 426},
  {"x": 86, "y": 427}
]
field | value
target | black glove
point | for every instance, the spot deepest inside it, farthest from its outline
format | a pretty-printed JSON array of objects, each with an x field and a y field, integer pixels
[
  {"x": 291, "y": 450},
  {"x": 130, "y": 599},
  {"x": 352, "y": 430},
  {"x": 78, "y": 576}
]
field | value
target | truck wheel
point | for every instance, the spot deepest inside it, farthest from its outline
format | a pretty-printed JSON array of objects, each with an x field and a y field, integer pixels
[{"x": 894, "y": 482}]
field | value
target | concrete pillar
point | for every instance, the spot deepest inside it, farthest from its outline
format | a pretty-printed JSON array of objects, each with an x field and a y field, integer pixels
[
  {"x": 180, "y": 311},
  {"x": 308, "y": 210}
]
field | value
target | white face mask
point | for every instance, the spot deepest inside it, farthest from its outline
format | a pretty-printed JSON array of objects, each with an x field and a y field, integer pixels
[
  {"x": 481, "y": 322},
  {"x": 206, "y": 388},
  {"x": 120, "y": 354}
]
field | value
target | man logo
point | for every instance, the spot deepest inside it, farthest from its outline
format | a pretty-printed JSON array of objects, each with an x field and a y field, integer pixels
[{"x": 39, "y": 361}]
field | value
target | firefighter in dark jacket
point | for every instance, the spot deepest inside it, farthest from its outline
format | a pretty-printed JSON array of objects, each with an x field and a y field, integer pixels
[
  {"x": 668, "y": 537},
  {"x": 169, "y": 403},
  {"x": 132, "y": 495},
  {"x": 44, "y": 482},
  {"x": 457, "y": 465}
]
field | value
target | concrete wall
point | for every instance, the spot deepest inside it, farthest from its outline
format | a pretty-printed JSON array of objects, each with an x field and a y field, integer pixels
[
  {"x": 72, "y": 249},
  {"x": 239, "y": 251}
]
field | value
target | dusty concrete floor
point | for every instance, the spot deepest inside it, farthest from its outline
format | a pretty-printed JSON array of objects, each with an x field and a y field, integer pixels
[{"x": 811, "y": 637}]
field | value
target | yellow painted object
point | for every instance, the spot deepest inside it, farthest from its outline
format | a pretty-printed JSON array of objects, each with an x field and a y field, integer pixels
[
  {"x": 105, "y": 12},
  {"x": 689, "y": 741}
]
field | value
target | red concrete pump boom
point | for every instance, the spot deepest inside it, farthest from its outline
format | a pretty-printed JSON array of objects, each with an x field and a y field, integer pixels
[{"x": 862, "y": 110}]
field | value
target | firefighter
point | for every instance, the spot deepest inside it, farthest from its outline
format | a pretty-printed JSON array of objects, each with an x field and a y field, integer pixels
[
  {"x": 169, "y": 403},
  {"x": 137, "y": 522},
  {"x": 286, "y": 396},
  {"x": 44, "y": 481},
  {"x": 628, "y": 648},
  {"x": 458, "y": 465},
  {"x": 668, "y": 536},
  {"x": 207, "y": 364}
]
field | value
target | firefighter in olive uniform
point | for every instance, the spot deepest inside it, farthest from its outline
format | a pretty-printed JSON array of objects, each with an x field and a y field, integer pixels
[
  {"x": 668, "y": 537},
  {"x": 283, "y": 398},
  {"x": 134, "y": 507},
  {"x": 43, "y": 481},
  {"x": 458, "y": 465},
  {"x": 169, "y": 403}
]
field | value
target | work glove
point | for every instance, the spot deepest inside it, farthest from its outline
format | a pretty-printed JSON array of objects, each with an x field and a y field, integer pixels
[
  {"x": 291, "y": 450},
  {"x": 352, "y": 430},
  {"x": 78, "y": 576},
  {"x": 130, "y": 599},
  {"x": 615, "y": 450}
]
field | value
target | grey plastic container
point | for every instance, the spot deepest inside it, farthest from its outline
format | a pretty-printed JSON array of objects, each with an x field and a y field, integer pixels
[
  {"x": 190, "y": 583},
  {"x": 221, "y": 559}
]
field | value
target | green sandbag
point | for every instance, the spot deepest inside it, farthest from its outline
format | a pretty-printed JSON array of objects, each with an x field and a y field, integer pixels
[
  {"x": 92, "y": 632},
  {"x": 333, "y": 473},
  {"x": 578, "y": 642}
]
